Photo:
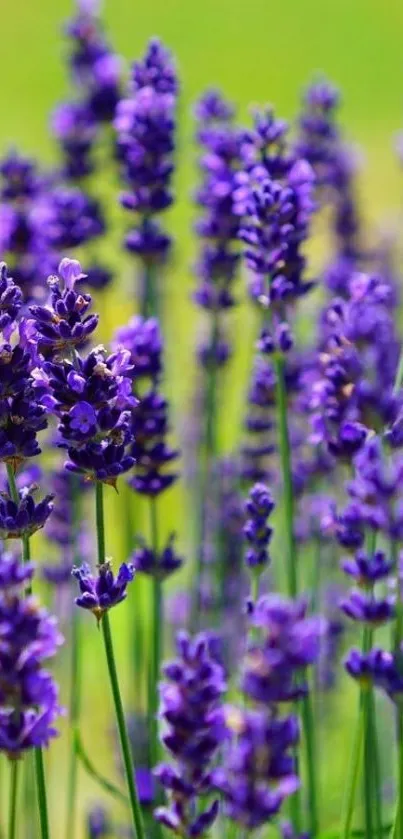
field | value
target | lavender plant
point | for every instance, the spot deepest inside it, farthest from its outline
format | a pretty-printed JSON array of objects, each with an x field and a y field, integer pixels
[{"x": 292, "y": 539}]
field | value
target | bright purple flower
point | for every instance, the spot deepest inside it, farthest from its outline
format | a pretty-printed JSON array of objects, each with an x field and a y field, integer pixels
[
  {"x": 98, "y": 823},
  {"x": 24, "y": 518},
  {"x": 28, "y": 695},
  {"x": 101, "y": 593},
  {"x": 65, "y": 322},
  {"x": 151, "y": 453},
  {"x": 190, "y": 700},
  {"x": 367, "y": 570},
  {"x": 145, "y": 126},
  {"x": 365, "y": 609},
  {"x": 259, "y": 771},
  {"x": 156, "y": 69}
]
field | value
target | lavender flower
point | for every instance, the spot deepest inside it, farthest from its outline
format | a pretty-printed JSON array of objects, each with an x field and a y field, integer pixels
[
  {"x": 258, "y": 534},
  {"x": 259, "y": 772},
  {"x": 28, "y": 695},
  {"x": 94, "y": 67},
  {"x": 64, "y": 324},
  {"x": 145, "y": 127},
  {"x": 189, "y": 704},
  {"x": 75, "y": 129},
  {"x": 101, "y": 593},
  {"x": 159, "y": 566},
  {"x": 24, "y": 518},
  {"x": 11, "y": 300}
]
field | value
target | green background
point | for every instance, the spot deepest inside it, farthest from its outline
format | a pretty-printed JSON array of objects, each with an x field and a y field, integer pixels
[{"x": 258, "y": 51}]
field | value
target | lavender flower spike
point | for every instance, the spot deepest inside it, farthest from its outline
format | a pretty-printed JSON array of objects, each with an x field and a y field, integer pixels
[{"x": 100, "y": 593}]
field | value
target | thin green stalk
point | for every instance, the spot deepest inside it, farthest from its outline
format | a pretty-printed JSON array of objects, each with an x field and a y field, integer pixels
[
  {"x": 75, "y": 690},
  {"x": 41, "y": 793},
  {"x": 39, "y": 770},
  {"x": 12, "y": 813},
  {"x": 397, "y": 830},
  {"x": 208, "y": 451},
  {"x": 288, "y": 491},
  {"x": 74, "y": 716},
  {"x": 114, "y": 681},
  {"x": 308, "y": 723},
  {"x": 149, "y": 296},
  {"x": 368, "y": 788},
  {"x": 352, "y": 778},
  {"x": 288, "y": 501},
  {"x": 155, "y": 662}
]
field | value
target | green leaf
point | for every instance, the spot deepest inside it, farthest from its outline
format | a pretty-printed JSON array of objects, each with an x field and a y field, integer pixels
[{"x": 107, "y": 785}]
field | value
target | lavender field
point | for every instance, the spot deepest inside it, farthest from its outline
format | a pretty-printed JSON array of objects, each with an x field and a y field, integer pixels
[{"x": 201, "y": 425}]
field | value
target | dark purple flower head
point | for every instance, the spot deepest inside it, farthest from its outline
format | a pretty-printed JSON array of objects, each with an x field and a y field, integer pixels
[
  {"x": 22, "y": 415},
  {"x": 379, "y": 668},
  {"x": 156, "y": 70},
  {"x": 69, "y": 218},
  {"x": 95, "y": 68},
  {"x": 24, "y": 518},
  {"x": 19, "y": 177},
  {"x": 190, "y": 700},
  {"x": 363, "y": 608},
  {"x": 65, "y": 323},
  {"x": 256, "y": 531},
  {"x": 367, "y": 570},
  {"x": 275, "y": 224},
  {"x": 74, "y": 127},
  {"x": 159, "y": 566},
  {"x": 153, "y": 456},
  {"x": 28, "y": 696},
  {"x": 264, "y": 148},
  {"x": 212, "y": 107},
  {"x": 100, "y": 593},
  {"x": 258, "y": 771}
]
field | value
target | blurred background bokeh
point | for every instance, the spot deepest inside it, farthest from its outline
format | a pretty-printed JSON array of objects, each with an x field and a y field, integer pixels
[{"x": 256, "y": 51}]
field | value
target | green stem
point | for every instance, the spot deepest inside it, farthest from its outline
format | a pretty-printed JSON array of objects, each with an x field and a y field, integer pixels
[
  {"x": 397, "y": 830},
  {"x": 75, "y": 688},
  {"x": 285, "y": 458},
  {"x": 399, "y": 375},
  {"x": 352, "y": 778},
  {"x": 74, "y": 715},
  {"x": 368, "y": 790},
  {"x": 208, "y": 450},
  {"x": 149, "y": 300},
  {"x": 41, "y": 793},
  {"x": 114, "y": 681},
  {"x": 156, "y": 645},
  {"x": 288, "y": 501},
  {"x": 309, "y": 732},
  {"x": 12, "y": 815}
]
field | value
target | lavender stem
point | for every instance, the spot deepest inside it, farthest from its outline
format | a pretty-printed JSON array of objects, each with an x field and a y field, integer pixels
[
  {"x": 114, "y": 681},
  {"x": 75, "y": 697},
  {"x": 156, "y": 645},
  {"x": 307, "y": 716},
  {"x": 39, "y": 769},
  {"x": 12, "y": 816}
]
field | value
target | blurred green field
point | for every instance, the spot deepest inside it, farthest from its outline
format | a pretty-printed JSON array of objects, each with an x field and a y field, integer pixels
[{"x": 258, "y": 52}]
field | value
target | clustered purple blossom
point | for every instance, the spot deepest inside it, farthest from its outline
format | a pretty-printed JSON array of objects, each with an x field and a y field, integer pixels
[
  {"x": 258, "y": 507},
  {"x": 105, "y": 590},
  {"x": 141, "y": 339},
  {"x": 216, "y": 268},
  {"x": 26, "y": 517},
  {"x": 258, "y": 770},
  {"x": 145, "y": 127},
  {"x": 158, "y": 565},
  {"x": 95, "y": 69},
  {"x": 29, "y": 704},
  {"x": 190, "y": 700},
  {"x": 91, "y": 395},
  {"x": 21, "y": 235}
]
